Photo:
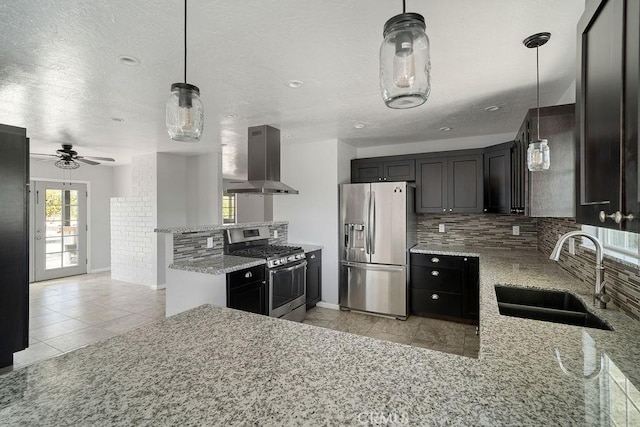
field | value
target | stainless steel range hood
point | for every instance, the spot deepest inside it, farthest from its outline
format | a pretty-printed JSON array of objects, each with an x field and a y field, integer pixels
[{"x": 264, "y": 164}]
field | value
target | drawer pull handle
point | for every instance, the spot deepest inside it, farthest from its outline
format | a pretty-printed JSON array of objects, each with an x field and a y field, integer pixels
[
  {"x": 435, "y": 296},
  {"x": 435, "y": 273},
  {"x": 248, "y": 275},
  {"x": 313, "y": 257},
  {"x": 434, "y": 259}
]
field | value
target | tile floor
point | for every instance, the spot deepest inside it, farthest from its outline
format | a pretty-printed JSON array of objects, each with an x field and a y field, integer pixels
[
  {"x": 435, "y": 334},
  {"x": 69, "y": 313}
]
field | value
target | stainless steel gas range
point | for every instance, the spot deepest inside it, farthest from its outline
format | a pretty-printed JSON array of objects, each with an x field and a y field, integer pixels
[{"x": 285, "y": 270}]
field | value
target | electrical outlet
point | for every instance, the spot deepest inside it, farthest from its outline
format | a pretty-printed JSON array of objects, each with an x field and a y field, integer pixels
[
  {"x": 516, "y": 230},
  {"x": 275, "y": 234},
  {"x": 572, "y": 246},
  {"x": 441, "y": 228},
  {"x": 209, "y": 242}
]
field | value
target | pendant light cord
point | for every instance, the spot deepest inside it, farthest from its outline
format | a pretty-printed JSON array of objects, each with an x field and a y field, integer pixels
[
  {"x": 537, "y": 88},
  {"x": 185, "y": 41},
  {"x": 404, "y": 7}
]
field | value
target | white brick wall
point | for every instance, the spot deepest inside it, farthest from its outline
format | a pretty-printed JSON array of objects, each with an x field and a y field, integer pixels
[{"x": 133, "y": 219}]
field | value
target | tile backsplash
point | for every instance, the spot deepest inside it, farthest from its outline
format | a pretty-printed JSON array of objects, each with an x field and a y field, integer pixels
[
  {"x": 622, "y": 280},
  {"x": 485, "y": 230}
]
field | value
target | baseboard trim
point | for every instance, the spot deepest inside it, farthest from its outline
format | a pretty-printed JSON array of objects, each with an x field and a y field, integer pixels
[
  {"x": 328, "y": 305},
  {"x": 100, "y": 270},
  {"x": 158, "y": 287}
]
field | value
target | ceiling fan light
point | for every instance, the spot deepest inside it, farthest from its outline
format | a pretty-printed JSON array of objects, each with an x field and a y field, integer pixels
[
  {"x": 405, "y": 63},
  {"x": 184, "y": 113},
  {"x": 66, "y": 164}
]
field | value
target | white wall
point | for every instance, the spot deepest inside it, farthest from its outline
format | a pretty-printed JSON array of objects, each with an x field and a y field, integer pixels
[
  {"x": 171, "y": 190},
  {"x": 122, "y": 181},
  {"x": 204, "y": 189},
  {"x": 312, "y": 169},
  {"x": 436, "y": 145},
  {"x": 100, "y": 190},
  {"x": 254, "y": 208},
  {"x": 569, "y": 95}
]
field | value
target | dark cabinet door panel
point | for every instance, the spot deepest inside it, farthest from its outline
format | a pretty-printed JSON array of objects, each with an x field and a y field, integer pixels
[
  {"x": 437, "y": 279},
  {"x": 465, "y": 184},
  {"x": 497, "y": 181},
  {"x": 366, "y": 171},
  {"x": 632, "y": 118},
  {"x": 401, "y": 170},
  {"x": 314, "y": 278},
  {"x": 431, "y": 192}
]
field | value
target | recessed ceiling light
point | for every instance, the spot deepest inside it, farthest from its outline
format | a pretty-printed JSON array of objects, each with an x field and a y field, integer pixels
[
  {"x": 294, "y": 83},
  {"x": 129, "y": 60},
  {"x": 492, "y": 108},
  {"x": 117, "y": 119},
  {"x": 445, "y": 129},
  {"x": 359, "y": 125}
]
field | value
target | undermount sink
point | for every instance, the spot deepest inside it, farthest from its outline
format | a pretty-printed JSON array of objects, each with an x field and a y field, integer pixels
[{"x": 546, "y": 305}]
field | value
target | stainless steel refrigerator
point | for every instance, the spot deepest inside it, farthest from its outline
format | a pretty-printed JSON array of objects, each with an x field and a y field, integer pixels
[{"x": 377, "y": 228}]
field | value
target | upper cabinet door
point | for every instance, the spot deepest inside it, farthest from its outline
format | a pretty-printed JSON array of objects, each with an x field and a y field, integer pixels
[
  {"x": 399, "y": 170},
  {"x": 632, "y": 117},
  {"x": 431, "y": 187},
  {"x": 366, "y": 171},
  {"x": 599, "y": 111},
  {"x": 497, "y": 180},
  {"x": 465, "y": 184}
]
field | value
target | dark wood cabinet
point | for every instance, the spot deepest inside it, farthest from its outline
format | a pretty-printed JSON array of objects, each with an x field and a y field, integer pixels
[
  {"x": 450, "y": 183},
  {"x": 14, "y": 247},
  {"x": 497, "y": 178},
  {"x": 383, "y": 169},
  {"x": 314, "y": 278},
  {"x": 247, "y": 290},
  {"x": 607, "y": 192},
  {"x": 445, "y": 286}
]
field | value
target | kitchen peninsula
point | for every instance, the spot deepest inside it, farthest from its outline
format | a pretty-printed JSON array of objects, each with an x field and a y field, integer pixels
[{"x": 215, "y": 365}]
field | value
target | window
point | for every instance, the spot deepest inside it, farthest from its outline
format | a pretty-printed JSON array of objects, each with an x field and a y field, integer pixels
[
  {"x": 228, "y": 209},
  {"x": 617, "y": 244}
]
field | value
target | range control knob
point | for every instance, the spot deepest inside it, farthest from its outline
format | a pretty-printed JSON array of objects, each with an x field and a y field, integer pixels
[{"x": 276, "y": 262}]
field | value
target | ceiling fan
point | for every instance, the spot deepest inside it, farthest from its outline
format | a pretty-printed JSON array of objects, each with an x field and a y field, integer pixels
[{"x": 69, "y": 158}]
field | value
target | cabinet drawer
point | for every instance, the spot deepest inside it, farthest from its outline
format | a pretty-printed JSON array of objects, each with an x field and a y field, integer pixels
[
  {"x": 313, "y": 257},
  {"x": 430, "y": 260},
  {"x": 443, "y": 303},
  {"x": 242, "y": 277},
  {"x": 437, "y": 279}
]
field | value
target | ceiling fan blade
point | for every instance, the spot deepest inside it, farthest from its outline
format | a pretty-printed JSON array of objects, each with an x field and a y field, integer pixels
[
  {"x": 44, "y": 155},
  {"x": 89, "y": 162},
  {"x": 105, "y": 159}
]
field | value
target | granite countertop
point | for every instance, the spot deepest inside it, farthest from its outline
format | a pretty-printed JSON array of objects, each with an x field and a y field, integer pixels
[
  {"x": 215, "y": 365},
  {"x": 218, "y": 264},
  {"x": 307, "y": 247},
  {"x": 214, "y": 227}
]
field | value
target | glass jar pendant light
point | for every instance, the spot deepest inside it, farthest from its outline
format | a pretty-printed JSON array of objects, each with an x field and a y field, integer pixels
[
  {"x": 405, "y": 64},
  {"x": 184, "y": 117},
  {"x": 538, "y": 156}
]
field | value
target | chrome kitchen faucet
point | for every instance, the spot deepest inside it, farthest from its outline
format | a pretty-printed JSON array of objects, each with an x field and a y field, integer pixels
[{"x": 600, "y": 299}]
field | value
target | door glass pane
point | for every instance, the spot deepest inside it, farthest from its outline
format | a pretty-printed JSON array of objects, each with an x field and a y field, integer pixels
[
  {"x": 73, "y": 213},
  {"x": 70, "y": 243},
  {"x": 53, "y": 244},
  {"x": 71, "y": 197},
  {"x": 70, "y": 229},
  {"x": 53, "y": 228},
  {"x": 53, "y": 261},
  {"x": 53, "y": 204},
  {"x": 70, "y": 258}
]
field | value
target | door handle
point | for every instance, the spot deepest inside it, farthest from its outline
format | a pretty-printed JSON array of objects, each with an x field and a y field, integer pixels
[{"x": 372, "y": 228}]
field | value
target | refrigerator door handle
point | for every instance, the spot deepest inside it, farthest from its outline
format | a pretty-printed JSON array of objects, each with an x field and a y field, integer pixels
[
  {"x": 380, "y": 267},
  {"x": 367, "y": 223},
  {"x": 372, "y": 222}
]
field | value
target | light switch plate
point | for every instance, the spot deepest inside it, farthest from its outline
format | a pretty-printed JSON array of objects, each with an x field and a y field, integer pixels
[
  {"x": 275, "y": 234},
  {"x": 209, "y": 242},
  {"x": 516, "y": 230},
  {"x": 441, "y": 228}
]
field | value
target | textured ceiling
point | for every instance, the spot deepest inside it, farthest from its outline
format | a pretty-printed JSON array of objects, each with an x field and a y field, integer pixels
[{"x": 61, "y": 79}]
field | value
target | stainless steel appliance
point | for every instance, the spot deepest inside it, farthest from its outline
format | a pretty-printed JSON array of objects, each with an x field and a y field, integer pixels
[
  {"x": 285, "y": 270},
  {"x": 377, "y": 228}
]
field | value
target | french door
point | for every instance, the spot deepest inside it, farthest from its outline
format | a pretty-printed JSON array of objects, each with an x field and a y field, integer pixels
[{"x": 60, "y": 237}]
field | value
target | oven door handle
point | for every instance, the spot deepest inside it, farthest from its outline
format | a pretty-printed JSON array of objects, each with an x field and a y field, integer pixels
[{"x": 302, "y": 264}]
